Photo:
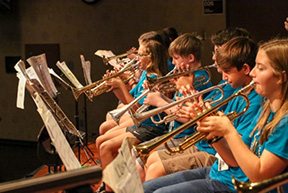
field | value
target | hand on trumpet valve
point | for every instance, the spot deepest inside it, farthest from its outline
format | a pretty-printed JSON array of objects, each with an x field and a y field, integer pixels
[
  {"x": 187, "y": 90},
  {"x": 184, "y": 80},
  {"x": 108, "y": 73},
  {"x": 132, "y": 53},
  {"x": 114, "y": 83},
  {"x": 218, "y": 125},
  {"x": 154, "y": 99},
  {"x": 190, "y": 110}
]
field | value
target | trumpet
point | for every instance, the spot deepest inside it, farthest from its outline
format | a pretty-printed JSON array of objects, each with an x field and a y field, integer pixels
[
  {"x": 144, "y": 150},
  {"x": 118, "y": 113},
  {"x": 165, "y": 87},
  {"x": 165, "y": 80},
  {"x": 118, "y": 58},
  {"x": 141, "y": 116},
  {"x": 93, "y": 88},
  {"x": 262, "y": 186}
]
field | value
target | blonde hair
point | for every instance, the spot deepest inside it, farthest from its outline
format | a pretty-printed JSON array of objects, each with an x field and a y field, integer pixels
[{"x": 277, "y": 52}]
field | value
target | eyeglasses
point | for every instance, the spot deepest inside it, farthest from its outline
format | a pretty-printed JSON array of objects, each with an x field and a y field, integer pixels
[{"x": 142, "y": 55}]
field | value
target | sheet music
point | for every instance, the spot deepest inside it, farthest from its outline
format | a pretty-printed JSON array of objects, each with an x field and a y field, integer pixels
[
  {"x": 60, "y": 142},
  {"x": 21, "y": 86},
  {"x": 107, "y": 54},
  {"x": 86, "y": 65},
  {"x": 67, "y": 72},
  {"x": 49, "y": 115},
  {"x": 59, "y": 79},
  {"x": 122, "y": 174},
  {"x": 22, "y": 82},
  {"x": 39, "y": 64}
]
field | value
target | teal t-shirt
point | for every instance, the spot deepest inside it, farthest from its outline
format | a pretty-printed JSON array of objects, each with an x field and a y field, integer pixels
[
  {"x": 175, "y": 124},
  {"x": 137, "y": 91},
  {"x": 277, "y": 143}
]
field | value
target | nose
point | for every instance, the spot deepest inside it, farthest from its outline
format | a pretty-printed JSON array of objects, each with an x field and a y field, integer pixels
[
  {"x": 213, "y": 56},
  {"x": 224, "y": 76},
  {"x": 252, "y": 73},
  {"x": 173, "y": 62}
]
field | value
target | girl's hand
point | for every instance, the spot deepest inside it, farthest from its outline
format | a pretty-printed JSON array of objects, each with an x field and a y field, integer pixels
[
  {"x": 132, "y": 53},
  {"x": 114, "y": 83},
  {"x": 216, "y": 126}
]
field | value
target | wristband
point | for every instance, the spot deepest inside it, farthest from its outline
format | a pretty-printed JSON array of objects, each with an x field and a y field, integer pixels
[{"x": 214, "y": 140}]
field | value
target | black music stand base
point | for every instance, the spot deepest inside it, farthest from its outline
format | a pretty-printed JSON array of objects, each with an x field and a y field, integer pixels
[{"x": 80, "y": 189}]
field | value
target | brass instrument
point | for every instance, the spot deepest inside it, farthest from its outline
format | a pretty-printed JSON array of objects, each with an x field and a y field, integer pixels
[
  {"x": 118, "y": 58},
  {"x": 101, "y": 88},
  {"x": 144, "y": 150},
  {"x": 118, "y": 113},
  {"x": 164, "y": 81},
  {"x": 141, "y": 116},
  {"x": 163, "y": 87},
  {"x": 96, "y": 88},
  {"x": 262, "y": 186}
]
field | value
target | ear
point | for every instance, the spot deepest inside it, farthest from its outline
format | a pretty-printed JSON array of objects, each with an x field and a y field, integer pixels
[
  {"x": 246, "y": 69},
  {"x": 283, "y": 78},
  {"x": 191, "y": 58}
]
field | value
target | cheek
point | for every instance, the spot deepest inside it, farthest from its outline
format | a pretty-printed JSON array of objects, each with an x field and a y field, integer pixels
[{"x": 260, "y": 90}]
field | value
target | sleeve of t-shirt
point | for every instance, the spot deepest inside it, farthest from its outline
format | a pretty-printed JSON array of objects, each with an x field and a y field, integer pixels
[{"x": 278, "y": 140}]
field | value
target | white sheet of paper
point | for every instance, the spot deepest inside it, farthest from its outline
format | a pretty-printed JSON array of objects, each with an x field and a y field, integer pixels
[
  {"x": 107, "y": 54},
  {"x": 20, "y": 91},
  {"x": 39, "y": 64},
  {"x": 67, "y": 72},
  {"x": 60, "y": 142},
  {"x": 21, "y": 84},
  {"x": 86, "y": 65},
  {"x": 122, "y": 174}
]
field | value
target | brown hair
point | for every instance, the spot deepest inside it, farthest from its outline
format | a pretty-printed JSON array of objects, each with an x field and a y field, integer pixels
[
  {"x": 185, "y": 45},
  {"x": 159, "y": 57},
  {"x": 236, "y": 52}
]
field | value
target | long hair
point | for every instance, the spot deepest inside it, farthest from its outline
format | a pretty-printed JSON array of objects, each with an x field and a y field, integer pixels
[
  {"x": 277, "y": 51},
  {"x": 159, "y": 58}
]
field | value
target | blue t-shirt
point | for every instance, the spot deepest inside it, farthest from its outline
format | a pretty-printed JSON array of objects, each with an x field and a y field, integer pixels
[
  {"x": 277, "y": 143},
  {"x": 175, "y": 124},
  {"x": 216, "y": 94},
  {"x": 170, "y": 65},
  {"x": 137, "y": 91}
]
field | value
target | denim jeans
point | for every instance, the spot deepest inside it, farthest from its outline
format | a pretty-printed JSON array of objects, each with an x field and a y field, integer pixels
[{"x": 197, "y": 181}]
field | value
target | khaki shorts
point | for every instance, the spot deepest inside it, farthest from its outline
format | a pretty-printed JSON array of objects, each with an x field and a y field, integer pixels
[{"x": 191, "y": 158}]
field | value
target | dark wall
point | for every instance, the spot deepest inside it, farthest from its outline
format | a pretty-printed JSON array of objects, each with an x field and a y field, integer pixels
[{"x": 263, "y": 19}]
